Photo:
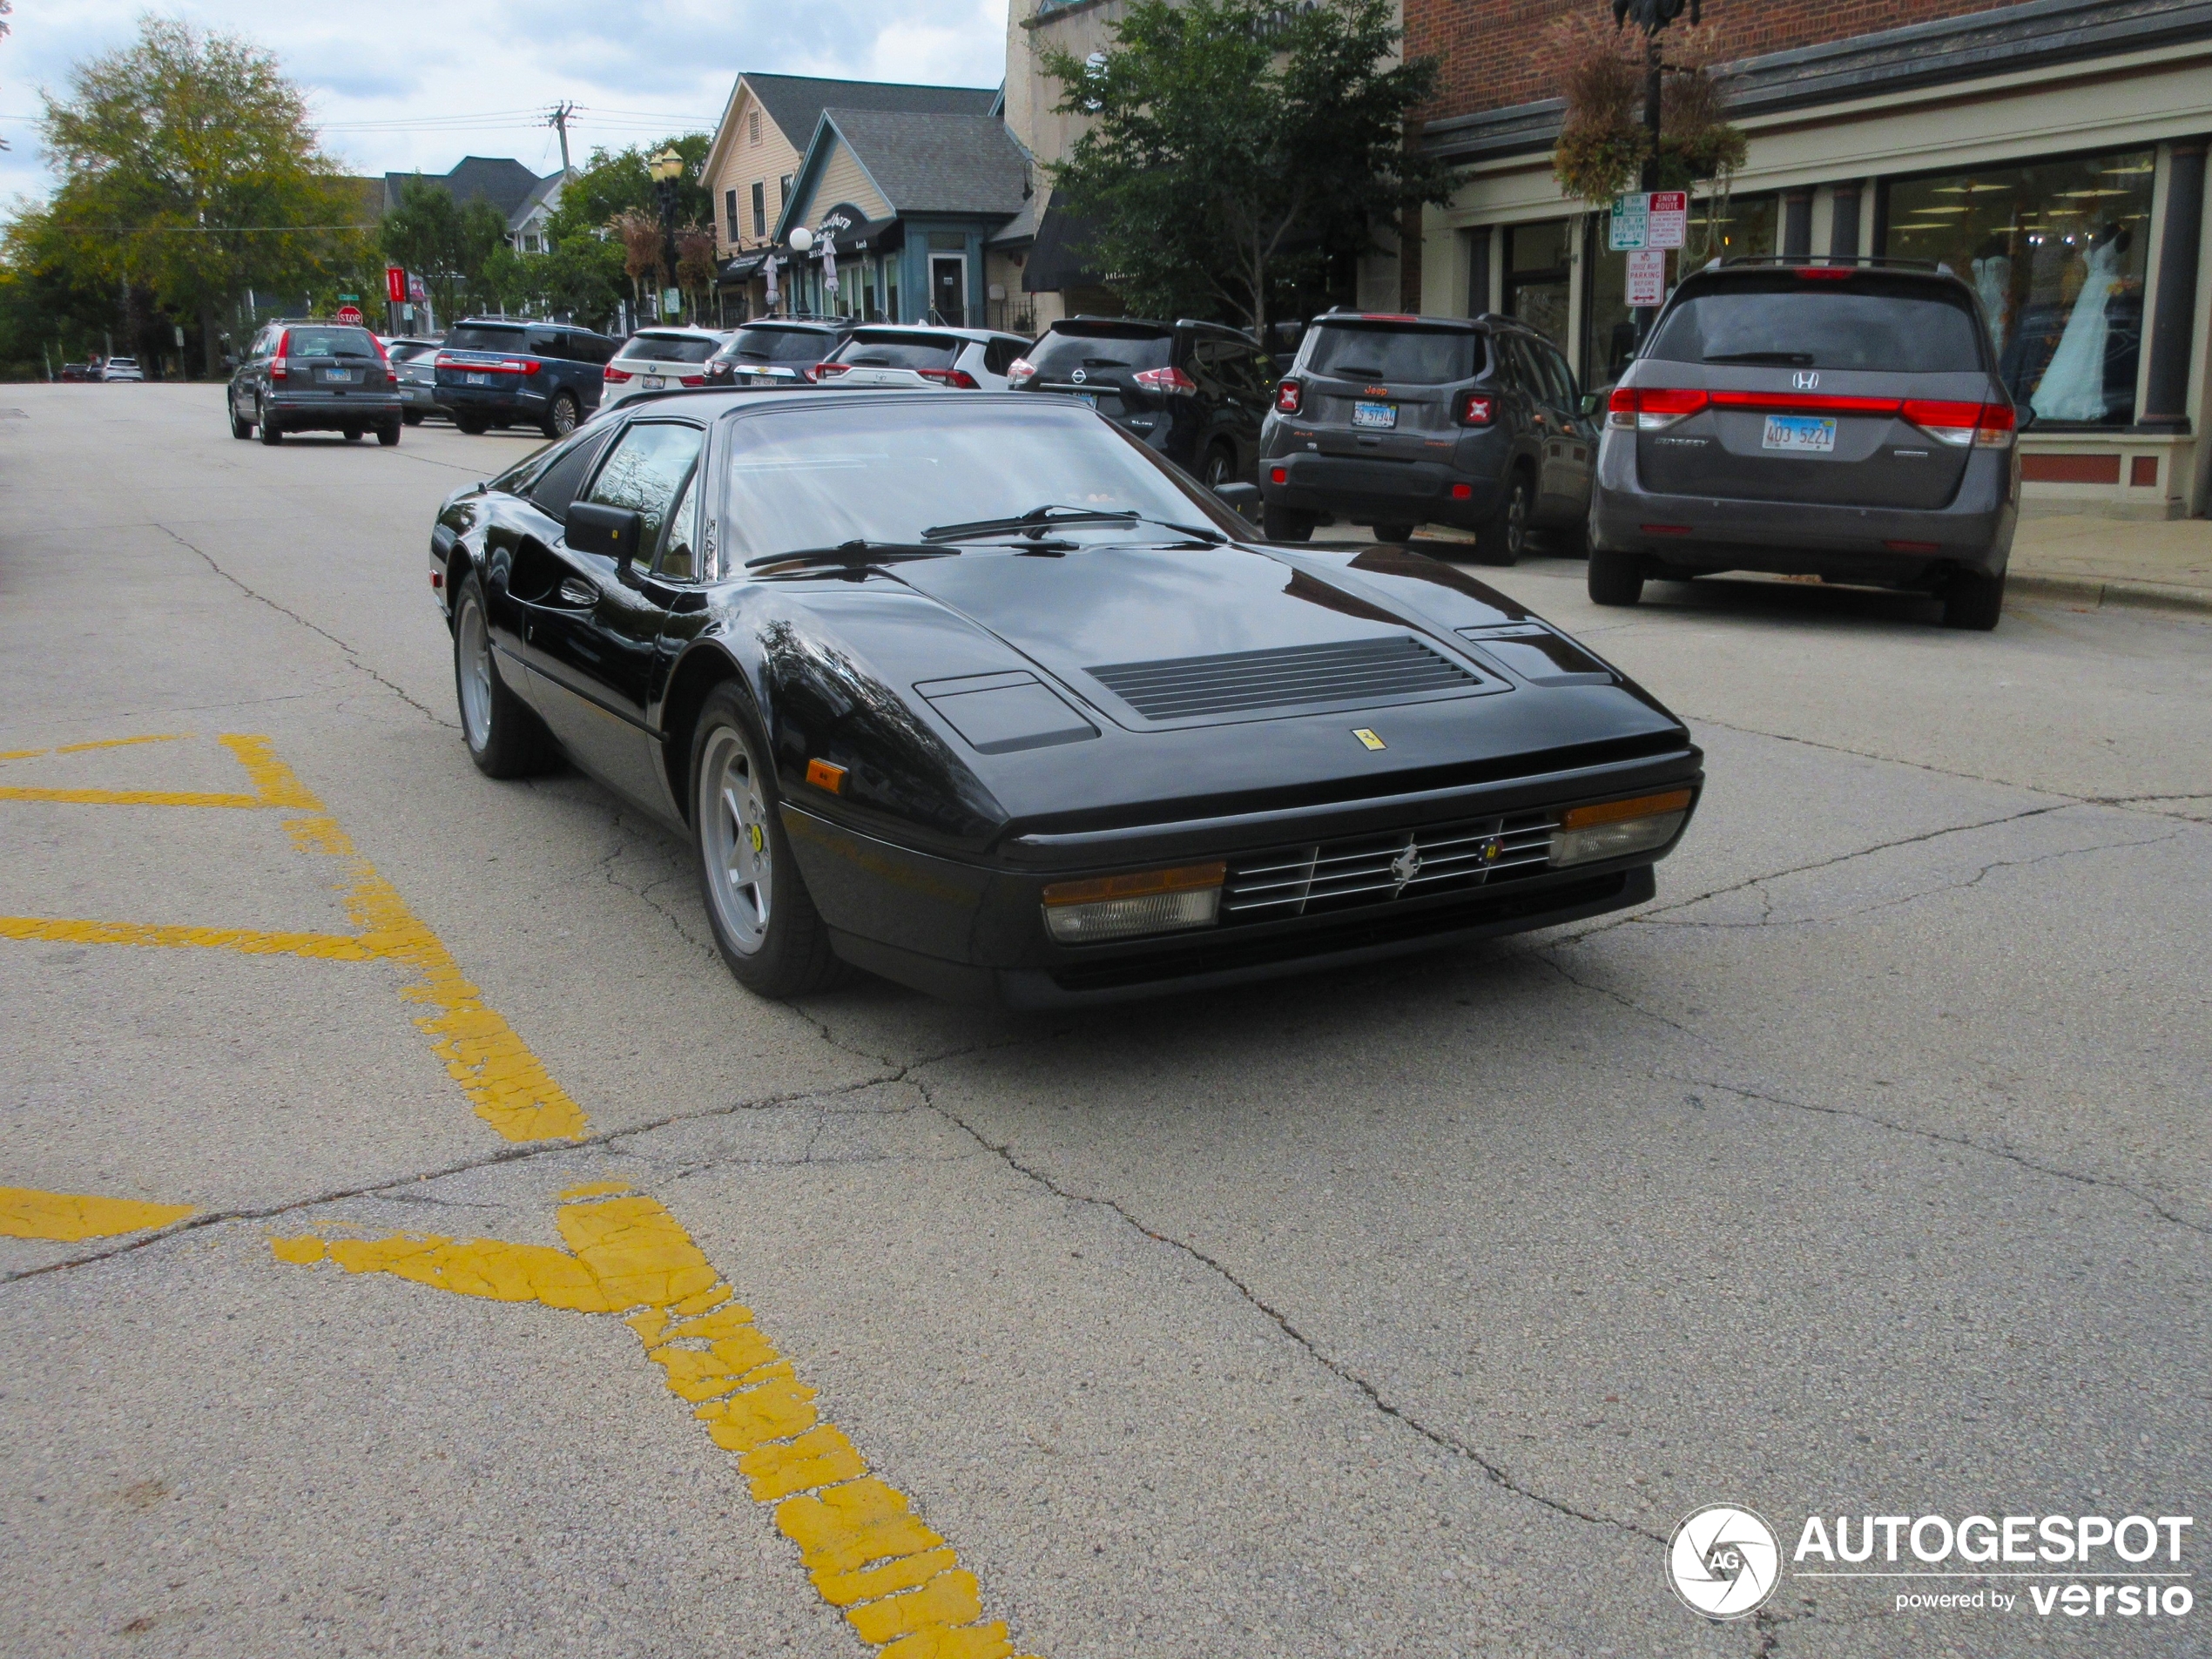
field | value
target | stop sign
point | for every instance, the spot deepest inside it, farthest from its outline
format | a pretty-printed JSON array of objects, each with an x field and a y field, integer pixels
[{"x": 349, "y": 313}]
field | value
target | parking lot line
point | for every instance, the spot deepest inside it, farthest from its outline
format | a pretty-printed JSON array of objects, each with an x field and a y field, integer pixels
[
  {"x": 69, "y": 1216},
  {"x": 898, "y": 1584},
  {"x": 97, "y": 743},
  {"x": 506, "y": 1084}
]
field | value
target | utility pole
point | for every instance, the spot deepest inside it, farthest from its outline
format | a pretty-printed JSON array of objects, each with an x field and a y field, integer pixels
[
  {"x": 558, "y": 118},
  {"x": 1651, "y": 18}
]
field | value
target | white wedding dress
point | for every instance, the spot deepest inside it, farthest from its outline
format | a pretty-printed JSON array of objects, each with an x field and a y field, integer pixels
[
  {"x": 1994, "y": 282},
  {"x": 2072, "y": 387}
]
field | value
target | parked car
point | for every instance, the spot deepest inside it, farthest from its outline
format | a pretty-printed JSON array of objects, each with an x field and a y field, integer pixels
[
  {"x": 778, "y": 351},
  {"x": 498, "y": 372},
  {"x": 1840, "y": 419},
  {"x": 973, "y": 693},
  {"x": 80, "y": 372},
  {"x": 314, "y": 377},
  {"x": 1397, "y": 422},
  {"x": 655, "y": 359},
  {"x": 122, "y": 369},
  {"x": 1196, "y": 392},
  {"x": 413, "y": 358},
  {"x": 967, "y": 360}
]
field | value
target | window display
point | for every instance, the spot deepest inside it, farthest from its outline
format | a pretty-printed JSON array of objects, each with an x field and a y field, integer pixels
[
  {"x": 1537, "y": 276},
  {"x": 2057, "y": 251}
]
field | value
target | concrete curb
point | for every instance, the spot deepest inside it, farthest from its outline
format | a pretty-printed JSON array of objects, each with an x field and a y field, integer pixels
[{"x": 2153, "y": 596}]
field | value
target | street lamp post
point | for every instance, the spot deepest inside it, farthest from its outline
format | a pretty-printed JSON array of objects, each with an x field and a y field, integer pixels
[
  {"x": 666, "y": 168},
  {"x": 1651, "y": 17}
]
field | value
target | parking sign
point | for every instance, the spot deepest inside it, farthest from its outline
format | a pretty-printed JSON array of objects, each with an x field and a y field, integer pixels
[
  {"x": 1668, "y": 218},
  {"x": 1647, "y": 277}
]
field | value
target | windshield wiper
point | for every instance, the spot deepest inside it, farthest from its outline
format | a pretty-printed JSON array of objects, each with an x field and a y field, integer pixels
[
  {"x": 851, "y": 556},
  {"x": 1787, "y": 358},
  {"x": 1038, "y": 520}
]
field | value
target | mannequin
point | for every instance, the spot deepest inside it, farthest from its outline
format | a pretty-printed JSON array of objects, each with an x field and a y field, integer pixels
[{"x": 2072, "y": 387}]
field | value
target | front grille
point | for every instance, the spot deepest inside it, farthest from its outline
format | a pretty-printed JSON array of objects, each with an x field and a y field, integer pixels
[
  {"x": 1382, "y": 868},
  {"x": 1242, "y": 682}
]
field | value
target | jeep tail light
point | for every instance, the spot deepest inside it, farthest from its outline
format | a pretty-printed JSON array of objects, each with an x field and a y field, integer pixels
[
  {"x": 1650, "y": 408},
  {"x": 1278, "y": 474},
  {"x": 614, "y": 376},
  {"x": 1020, "y": 371},
  {"x": 1987, "y": 425},
  {"x": 1476, "y": 408},
  {"x": 958, "y": 378},
  {"x": 1289, "y": 395},
  {"x": 1168, "y": 382}
]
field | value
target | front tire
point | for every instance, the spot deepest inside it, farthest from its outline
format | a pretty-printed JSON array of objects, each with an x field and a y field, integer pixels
[
  {"x": 1973, "y": 601},
  {"x": 1286, "y": 523},
  {"x": 765, "y": 921},
  {"x": 271, "y": 434},
  {"x": 561, "y": 418},
  {"x": 1503, "y": 539},
  {"x": 1615, "y": 578},
  {"x": 506, "y": 739},
  {"x": 240, "y": 428}
]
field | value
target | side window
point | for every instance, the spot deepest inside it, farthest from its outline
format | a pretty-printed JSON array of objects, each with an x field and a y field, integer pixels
[
  {"x": 1261, "y": 367},
  {"x": 547, "y": 342},
  {"x": 1205, "y": 361},
  {"x": 679, "y": 558},
  {"x": 564, "y": 473},
  {"x": 647, "y": 465},
  {"x": 1560, "y": 377},
  {"x": 999, "y": 355}
]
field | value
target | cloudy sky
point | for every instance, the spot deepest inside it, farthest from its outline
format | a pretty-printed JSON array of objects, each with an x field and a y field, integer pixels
[{"x": 404, "y": 83}]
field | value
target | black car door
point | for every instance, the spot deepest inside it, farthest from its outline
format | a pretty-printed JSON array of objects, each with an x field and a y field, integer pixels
[
  {"x": 592, "y": 627},
  {"x": 1572, "y": 432},
  {"x": 1535, "y": 396}
]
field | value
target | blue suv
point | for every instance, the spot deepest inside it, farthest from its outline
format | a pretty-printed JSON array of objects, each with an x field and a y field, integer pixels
[{"x": 495, "y": 372}]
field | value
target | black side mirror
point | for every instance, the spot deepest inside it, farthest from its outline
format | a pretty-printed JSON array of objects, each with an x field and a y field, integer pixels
[
  {"x": 612, "y": 532},
  {"x": 1241, "y": 498},
  {"x": 2023, "y": 416}
]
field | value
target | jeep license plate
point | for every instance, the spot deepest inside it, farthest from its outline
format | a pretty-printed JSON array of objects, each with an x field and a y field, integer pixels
[
  {"x": 1799, "y": 435},
  {"x": 1381, "y": 416}
]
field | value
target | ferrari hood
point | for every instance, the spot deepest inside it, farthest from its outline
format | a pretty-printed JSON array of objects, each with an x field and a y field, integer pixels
[{"x": 1126, "y": 626}]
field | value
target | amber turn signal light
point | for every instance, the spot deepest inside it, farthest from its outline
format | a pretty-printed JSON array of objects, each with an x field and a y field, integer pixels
[
  {"x": 823, "y": 775},
  {"x": 1612, "y": 811},
  {"x": 1136, "y": 886}
]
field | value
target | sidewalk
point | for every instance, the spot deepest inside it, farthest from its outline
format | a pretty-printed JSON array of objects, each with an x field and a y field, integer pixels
[{"x": 2115, "y": 562}]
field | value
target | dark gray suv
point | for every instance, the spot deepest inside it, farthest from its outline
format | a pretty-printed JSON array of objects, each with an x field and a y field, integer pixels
[
  {"x": 1398, "y": 421},
  {"x": 1842, "y": 419}
]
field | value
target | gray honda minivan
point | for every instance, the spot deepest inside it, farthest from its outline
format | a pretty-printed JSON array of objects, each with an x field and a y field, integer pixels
[{"x": 1840, "y": 418}]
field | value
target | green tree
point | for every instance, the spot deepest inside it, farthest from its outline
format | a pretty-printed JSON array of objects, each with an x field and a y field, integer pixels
[
  {"x": 446, "y": 243},
  {"x": 581, "y": 278},
  {"x": 1234, "y": 146},
  {"x": 616, "y": 182},
  {"x": 189, "y": 169}
]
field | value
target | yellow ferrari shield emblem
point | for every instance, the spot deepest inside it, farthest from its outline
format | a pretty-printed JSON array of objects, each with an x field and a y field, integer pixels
[
  {"x": 759, "y": 839},
  {"x": 1367, "y": 737}
]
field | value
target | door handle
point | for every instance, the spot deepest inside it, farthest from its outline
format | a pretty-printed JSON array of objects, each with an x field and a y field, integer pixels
[{"x": 575, "y": 590}]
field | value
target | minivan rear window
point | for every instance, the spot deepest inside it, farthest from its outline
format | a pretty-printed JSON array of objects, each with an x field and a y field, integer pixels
[
  {"x": 481, "y": 337},
  {"x": 326, "y": 343},
  {"x": 1099, "y": 346},
  {"x": 781, "y": 345},
  {"x": 882, "y": 348},
  {"x": 670, "y": 349},
  {"x": 1380, "y": 352},
  {"x": 1787, "y": 322}
]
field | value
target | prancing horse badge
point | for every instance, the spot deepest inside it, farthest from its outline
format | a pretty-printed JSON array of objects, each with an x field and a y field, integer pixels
[{"x": 1366, "y": 737}]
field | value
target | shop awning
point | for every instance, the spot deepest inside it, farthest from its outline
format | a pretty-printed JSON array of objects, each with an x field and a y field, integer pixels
[{"x": 1061, "y": 258}]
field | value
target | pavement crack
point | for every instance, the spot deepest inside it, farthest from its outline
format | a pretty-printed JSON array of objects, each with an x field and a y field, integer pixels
[
  {"x": 1939, "y": 1138},
  {"x": 1494, "y": 1471},
  {"x": 1543, "y": 954},
  {"x": 352, "y": 657}
]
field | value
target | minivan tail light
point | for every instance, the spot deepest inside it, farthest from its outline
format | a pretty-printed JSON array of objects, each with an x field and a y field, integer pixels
[
  {"x": 1651, "y": 408},
  {"x": 1172, "y": 382},
  {"x": 1289, "y": 394},
  {"x": 1020, "y": 371},
  {"x": 1988, "y": 426},
  {"x": 1476, "y": 408}
]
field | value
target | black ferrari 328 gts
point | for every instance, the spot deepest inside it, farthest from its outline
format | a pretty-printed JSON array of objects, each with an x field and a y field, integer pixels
[{"x": 980, "y": 695}]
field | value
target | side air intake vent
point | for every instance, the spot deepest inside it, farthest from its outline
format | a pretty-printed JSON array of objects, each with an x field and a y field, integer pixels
[{"x": 1245, "y": 682}]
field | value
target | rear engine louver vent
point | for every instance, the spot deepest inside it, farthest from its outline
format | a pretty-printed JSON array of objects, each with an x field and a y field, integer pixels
[{"x": 1242, "y": 682}]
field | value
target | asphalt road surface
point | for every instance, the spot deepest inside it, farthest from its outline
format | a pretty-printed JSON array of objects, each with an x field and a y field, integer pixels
[{"x": 1403, "y": 1311}]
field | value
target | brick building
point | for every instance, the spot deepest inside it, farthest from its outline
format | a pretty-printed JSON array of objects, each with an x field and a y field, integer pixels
[{"x": 2051, "y": 152}]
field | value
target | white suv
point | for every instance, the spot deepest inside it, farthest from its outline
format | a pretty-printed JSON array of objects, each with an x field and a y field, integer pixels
[
  {"x": 658, "y": 360},
  {"x": 967, "y": 360},
  {"x": 122, "y": 369}
]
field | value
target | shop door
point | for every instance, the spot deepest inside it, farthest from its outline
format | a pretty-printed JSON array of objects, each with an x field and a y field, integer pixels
[{"x": 948, "y": 288}]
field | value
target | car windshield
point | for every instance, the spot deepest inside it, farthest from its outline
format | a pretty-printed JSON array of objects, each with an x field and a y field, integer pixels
[
  {"x": 816, "y": 477},
  {"x": 1858, "y": 321},
  {"x": 767, "y": 345},
  {"x": 884, "y": 348},
  {"x": 1411, "y": 356},
  {"x": 670, "y": 349},
  {"x": 1102, "y": 346},
  {"x": 484, "y": 337},
  {"x": 330, "y": 342}
]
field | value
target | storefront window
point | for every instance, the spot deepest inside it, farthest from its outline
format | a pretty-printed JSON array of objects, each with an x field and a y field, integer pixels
[
  {"x": 1720, "y": 227},
  {"x": 2057, "y": 251},
  {"x": 1537, "y": 276}
]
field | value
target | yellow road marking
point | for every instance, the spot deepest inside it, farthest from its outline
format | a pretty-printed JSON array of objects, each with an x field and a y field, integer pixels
[
  {"x": 102, "y": 743},
  {"x": 67, "y": 1216},
  {"x": 898, "y": 1584},
  {"x": 274, "y": 782},
  {"x": 130, "y": 797},
  {"x": 507, "y": 1085}
]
